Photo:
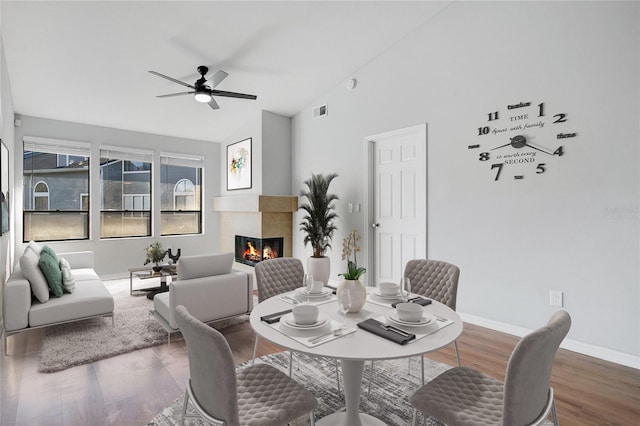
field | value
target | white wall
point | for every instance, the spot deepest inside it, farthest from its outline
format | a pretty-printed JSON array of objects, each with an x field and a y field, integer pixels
[
  {"x": 270, "y": 135},
  {"x": 114, "y": 256},
  {"x": 574, "y": 228},
  {"x": 276, "y": 154},
  {"x": 6, "y": 134}
]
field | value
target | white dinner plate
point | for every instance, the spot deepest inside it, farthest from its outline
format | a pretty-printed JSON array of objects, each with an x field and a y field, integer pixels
[
  {"x": 393, "y": 317},
  {"x": 393, "y": 297},
  {"x": 301, "y": 291},
  {"x": 289, "y": 321}
]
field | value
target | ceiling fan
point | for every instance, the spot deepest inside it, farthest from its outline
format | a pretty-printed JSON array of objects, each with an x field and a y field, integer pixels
[{"x": 203, "y": 88}]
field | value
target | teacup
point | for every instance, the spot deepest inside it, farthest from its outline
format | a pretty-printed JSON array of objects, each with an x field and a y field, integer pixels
[
  {"x": 305, "y": 314},
  {"x": 317, "y": 287},
  {"x": 388, "y": 289},
  {"x": 410, "y": 312}
]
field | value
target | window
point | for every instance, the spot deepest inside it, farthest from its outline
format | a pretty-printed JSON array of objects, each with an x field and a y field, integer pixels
[
  {"x": 41, "y": 196},
  {"x": 56, "y": 188},
  {"x": 181, "y": 183},
  {"x": 125, "y": 184}
]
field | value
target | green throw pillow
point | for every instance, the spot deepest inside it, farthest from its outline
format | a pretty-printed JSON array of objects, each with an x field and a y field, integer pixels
[
  {"x": 50, "y": 267},
  {"x": 49, "y": 250}
]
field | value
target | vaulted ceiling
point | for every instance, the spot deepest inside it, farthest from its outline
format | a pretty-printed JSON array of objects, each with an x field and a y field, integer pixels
[{"x": 87, "y": 61}]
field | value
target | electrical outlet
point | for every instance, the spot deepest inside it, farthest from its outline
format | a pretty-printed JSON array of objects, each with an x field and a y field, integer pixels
[{"x": 555, "y": 298}]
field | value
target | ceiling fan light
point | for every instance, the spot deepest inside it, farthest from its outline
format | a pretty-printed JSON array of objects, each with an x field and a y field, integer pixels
[{"x": 202, "y": 96}]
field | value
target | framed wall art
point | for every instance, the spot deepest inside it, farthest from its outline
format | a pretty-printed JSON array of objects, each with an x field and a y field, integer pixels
[
  {"x": 239, "y": 165},
  {"x": 4, "y": 187}
]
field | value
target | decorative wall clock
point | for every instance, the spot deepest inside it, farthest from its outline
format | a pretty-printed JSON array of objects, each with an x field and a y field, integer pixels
[{"x": 521, "y": 140}]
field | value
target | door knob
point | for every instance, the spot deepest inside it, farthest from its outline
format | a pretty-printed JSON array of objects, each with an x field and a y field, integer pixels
[{"x": 375, "y": 225}]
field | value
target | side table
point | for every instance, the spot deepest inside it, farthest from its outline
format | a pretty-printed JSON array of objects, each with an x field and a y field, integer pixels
[{"x": 145, "y": 272}]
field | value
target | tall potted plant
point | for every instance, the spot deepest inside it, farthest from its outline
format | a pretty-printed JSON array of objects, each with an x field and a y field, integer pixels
[{"x": 318, "y": 223}]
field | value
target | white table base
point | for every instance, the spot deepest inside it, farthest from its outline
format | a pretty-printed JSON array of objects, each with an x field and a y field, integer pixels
[{"x": 352, "y": 378}]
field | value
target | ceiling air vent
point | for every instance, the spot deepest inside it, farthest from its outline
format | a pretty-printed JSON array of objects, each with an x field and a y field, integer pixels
[{"x": 319, "y": 111}]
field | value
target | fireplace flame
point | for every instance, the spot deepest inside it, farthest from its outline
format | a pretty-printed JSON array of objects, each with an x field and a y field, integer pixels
[{"x": 252, "y": 254}]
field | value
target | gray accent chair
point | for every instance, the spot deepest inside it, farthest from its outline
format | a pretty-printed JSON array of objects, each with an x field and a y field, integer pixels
[
  {"x": 466, "y": 397},
  {"x": 257, "y": 395},
  {"x": 436, "y": 280}
]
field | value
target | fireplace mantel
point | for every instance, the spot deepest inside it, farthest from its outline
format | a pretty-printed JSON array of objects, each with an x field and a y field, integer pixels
[{"x": 256, "y": 203}]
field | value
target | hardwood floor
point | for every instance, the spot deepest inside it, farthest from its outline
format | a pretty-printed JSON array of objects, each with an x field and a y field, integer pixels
[{"x": 130, "y": 389}]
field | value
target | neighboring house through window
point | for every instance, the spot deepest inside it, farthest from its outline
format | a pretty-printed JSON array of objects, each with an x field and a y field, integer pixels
[
  {"x": 181, "y": 194},
  {"x": 55, "y": 189},
  {"x": 125, "y": 183}
]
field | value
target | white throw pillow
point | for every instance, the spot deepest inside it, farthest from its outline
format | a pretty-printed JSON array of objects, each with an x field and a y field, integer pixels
[
  {"x": 68, "y": 281},
  {"x": 37, "y": 248},
  {"x": 31, "y": 271}
]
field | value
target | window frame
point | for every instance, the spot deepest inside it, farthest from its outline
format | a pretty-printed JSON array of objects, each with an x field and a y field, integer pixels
[
  {"x": 183, "y": 160},
  {"x": 60, "y": 149},
  {"x": 127, "y": 155}
]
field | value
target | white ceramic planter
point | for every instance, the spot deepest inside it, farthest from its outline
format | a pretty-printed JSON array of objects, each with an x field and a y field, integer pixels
[
  {"x": 357, "y": 291},
  {"x": 320, "y": 268}
]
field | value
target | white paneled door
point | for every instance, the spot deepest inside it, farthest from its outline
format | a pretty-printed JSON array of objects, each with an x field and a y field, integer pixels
[{"x": 398, "y": 194}]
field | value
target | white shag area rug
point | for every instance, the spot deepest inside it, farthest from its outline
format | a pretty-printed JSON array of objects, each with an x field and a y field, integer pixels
[{"x": 83, "y": 342}]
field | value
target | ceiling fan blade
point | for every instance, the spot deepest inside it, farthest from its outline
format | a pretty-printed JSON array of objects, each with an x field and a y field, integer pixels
[
  {"x": 233, "y": 94},
  {"x": 213, "y": 104},
  {"x": 216, "y": 78},
  {"x": 172, "y": 79},
  {"x": 175, "y": 94}
]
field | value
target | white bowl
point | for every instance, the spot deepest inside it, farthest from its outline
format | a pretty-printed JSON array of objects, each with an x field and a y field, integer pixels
[
  {"x": 410, "y": 312},
  {"x": 317, "y": 287},
  {"x": 305, "y": 314},
  {"x": 388, "y": 289}
]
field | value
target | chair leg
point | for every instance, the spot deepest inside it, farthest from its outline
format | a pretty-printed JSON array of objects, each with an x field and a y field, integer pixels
[
  {"x": 370, "y": 379},
  {"x": 554, "y": 413},
  {"x": 184, "y": 407},
  {"x": 335, "y": 364},
  {"x": 312, "y": 418},
  {"x": 255, "y": 350},
  {"x": 414, "y": 421},
  {"x": 290, "y": 362},
  {"x": 455, "y": 342},
  {"x": 422, "y": 368}
]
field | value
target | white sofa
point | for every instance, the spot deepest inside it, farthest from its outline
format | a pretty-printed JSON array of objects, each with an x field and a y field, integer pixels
[
  {"x": 23, "y": 311},
  {"x": 208, "y": 287}
]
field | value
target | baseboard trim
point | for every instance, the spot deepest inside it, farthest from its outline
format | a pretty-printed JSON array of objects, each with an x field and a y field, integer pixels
[{"x": 599, "y": 352}]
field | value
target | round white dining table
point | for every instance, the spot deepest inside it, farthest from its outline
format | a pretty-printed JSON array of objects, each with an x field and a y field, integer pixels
[{"x": 354, "y": 349}]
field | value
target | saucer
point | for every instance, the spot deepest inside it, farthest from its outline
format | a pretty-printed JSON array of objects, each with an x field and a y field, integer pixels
[
  {"x": 302, "y": 292},
  {"x": 385, "y": 297},
  {"x": 289, "y": 321},
  {"x": 393, "y": 317}
]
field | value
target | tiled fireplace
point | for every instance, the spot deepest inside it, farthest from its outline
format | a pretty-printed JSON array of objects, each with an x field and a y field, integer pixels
[{"x": 262, "y": 219}]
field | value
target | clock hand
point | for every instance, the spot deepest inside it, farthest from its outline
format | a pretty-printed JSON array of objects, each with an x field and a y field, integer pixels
[
  {"x": 541, "y": 150},
  {"x": 501, "y": 146}
]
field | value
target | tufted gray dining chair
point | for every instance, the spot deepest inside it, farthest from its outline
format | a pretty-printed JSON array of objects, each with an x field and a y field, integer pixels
[
  {"x": 463, "y": 396},
  {"x": 435, "y": 280},
  {"x": 274, "y": 277},
  {"x": 277, "y": 276},
  {"x": 256, "y": 395}
]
